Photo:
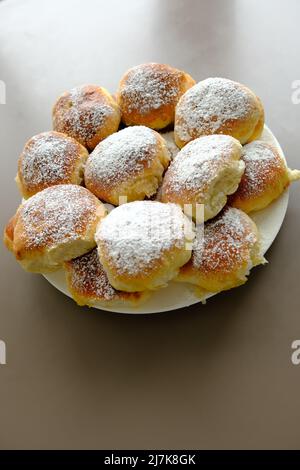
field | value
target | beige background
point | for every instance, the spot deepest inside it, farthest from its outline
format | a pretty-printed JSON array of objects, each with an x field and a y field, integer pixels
[{"x": 214, "y": 376}]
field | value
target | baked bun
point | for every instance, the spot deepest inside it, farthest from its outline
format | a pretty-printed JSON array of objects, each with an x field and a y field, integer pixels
[
  {"x": 128, "y": 163},
  {"x": 224, "y": 253},
  {"x": 88, "y": 113},
  {"x": 170, "y": 142},
  {"x": 8, "y": 236},
  {"x": 142, "y": 244},
  {"x": 218, "y": 106},
  {"x": 48, "y": 159},
  {"x": 89, "y": 285},
  {"x": 53, "y": 226},
  {"x": 148, "y": 94},
  {"x": 204, "y": 172},
  {"x": 266, "y": 176}
]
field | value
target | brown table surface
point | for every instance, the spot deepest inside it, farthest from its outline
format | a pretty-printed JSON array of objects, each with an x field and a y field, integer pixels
[{"x": 214, "y": 376}]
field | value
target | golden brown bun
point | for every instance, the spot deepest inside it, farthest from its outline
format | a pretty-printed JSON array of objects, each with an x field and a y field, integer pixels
[
  {"x": 129, "y": 163},
  {"x": 48, "y": 159},
  {"x": 266, "y": 177},
  {"x": 88, "y": 113},
  {"x": 8, "y": 237},
  {"x": 224, "y": 254},
  {"x": 148, "y": 94},
  {"x": 89, "y": 285},
  {"x": 205, "y": 172},
  {"x": 142, "y": 244},
  {"x": 53, "y": 226},
  {"x": 218, "y": 106}
]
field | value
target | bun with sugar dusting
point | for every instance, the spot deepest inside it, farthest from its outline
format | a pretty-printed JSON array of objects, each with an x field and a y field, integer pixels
[
  {"x": 129, "y": 163},
  {"x": 223, "y": 254},
  {"x": 265, "y": 178},
  {"x": 88, "y": 113},
  {"x": 89, "y": 284},
  {"x": 143, "y": 244},
  {"x": 218, "y": 106},
  {"x": 53, "y": 226},
  {"x": 48, "y": 159},
  {"x": 204, "y": 172},
  {"x": 148, "y": 93}
]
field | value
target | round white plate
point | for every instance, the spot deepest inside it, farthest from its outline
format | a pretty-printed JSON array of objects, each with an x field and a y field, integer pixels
[{"x": 178, "y": 295}]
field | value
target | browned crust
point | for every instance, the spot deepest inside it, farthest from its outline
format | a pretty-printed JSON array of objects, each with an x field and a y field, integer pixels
[
  {"x": 81, "y": 275},
  {"x": 89, "y": 134},
  {"x": 222, "y": 266},
  {"x": 162, "y": 116},
  {"x": 75, "y": 155},
  {"x": 270, "y": 182},
  {"x": 9, "y": 229},
  {"x": 245, "y": 129}
]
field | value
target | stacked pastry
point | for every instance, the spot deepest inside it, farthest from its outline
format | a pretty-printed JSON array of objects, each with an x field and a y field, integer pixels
[{"x": 178, "y": 208}]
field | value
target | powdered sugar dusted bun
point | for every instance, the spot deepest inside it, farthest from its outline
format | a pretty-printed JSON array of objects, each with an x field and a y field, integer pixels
[
  {"x": 224, "y": 253},
  {"x": 148, "y": 94},
  {"x": 128, "y": 163},
  {"x": 89, "y": 285},
  {"x": 218, "y": 106},
  {"x": 48, "y": 159},
  {"x": 266, "y": 177},
  {"x": 142, "y": 244},
  {"x": 204, "y": 172},
  {"x": 55, "y": 225},
  {"x": 88, "y": 113}
]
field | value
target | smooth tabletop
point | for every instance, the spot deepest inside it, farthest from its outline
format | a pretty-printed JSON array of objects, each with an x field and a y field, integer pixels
[{"x": 209, "y": 376}]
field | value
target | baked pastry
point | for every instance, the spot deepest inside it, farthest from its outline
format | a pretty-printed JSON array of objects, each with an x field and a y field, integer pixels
[
  {"x": 204, "y": 172},
  {"x": 53, "y": 226},
  {"x": 223, "y": 253},
  {"x": 8, "y": 236},
  {"x": 265, "y": 178},
  {"x": 48, "y": 159},
  {"x": 170, "y": 142},
  {"x": 89, "y": 285},
  {"x": 218, "y": 106},
  {"x": 88, "y": 113},
  {"x": 142, "y": 244},
  {"x": 128, "y": 163},
  {"x": 148, "y": 93}
]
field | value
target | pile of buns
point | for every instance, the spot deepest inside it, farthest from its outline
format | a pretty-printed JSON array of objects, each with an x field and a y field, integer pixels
[{"x": 124, "y": 209}]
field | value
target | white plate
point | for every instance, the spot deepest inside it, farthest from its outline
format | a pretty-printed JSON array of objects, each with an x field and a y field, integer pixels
[{"x": 178, "y": 295}]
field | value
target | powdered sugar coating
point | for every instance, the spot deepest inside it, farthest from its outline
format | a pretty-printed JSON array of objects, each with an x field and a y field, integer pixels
[
  {"x": 210, "y": 105},
  {"x": 198, "y": 163},
  {"x": 262, "y": 164},
  {"x": 57, "y": 215},
  {"x": 122, "y": 156},
  {"x": 136, "y": 235},
  {"x": 150, "y": 86},
  {"x": 49, "y": 158},
  {"x": 226, "y": 242},
  {"x": 87, "y": 277},
  {"x": 82, "y": 112}
]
